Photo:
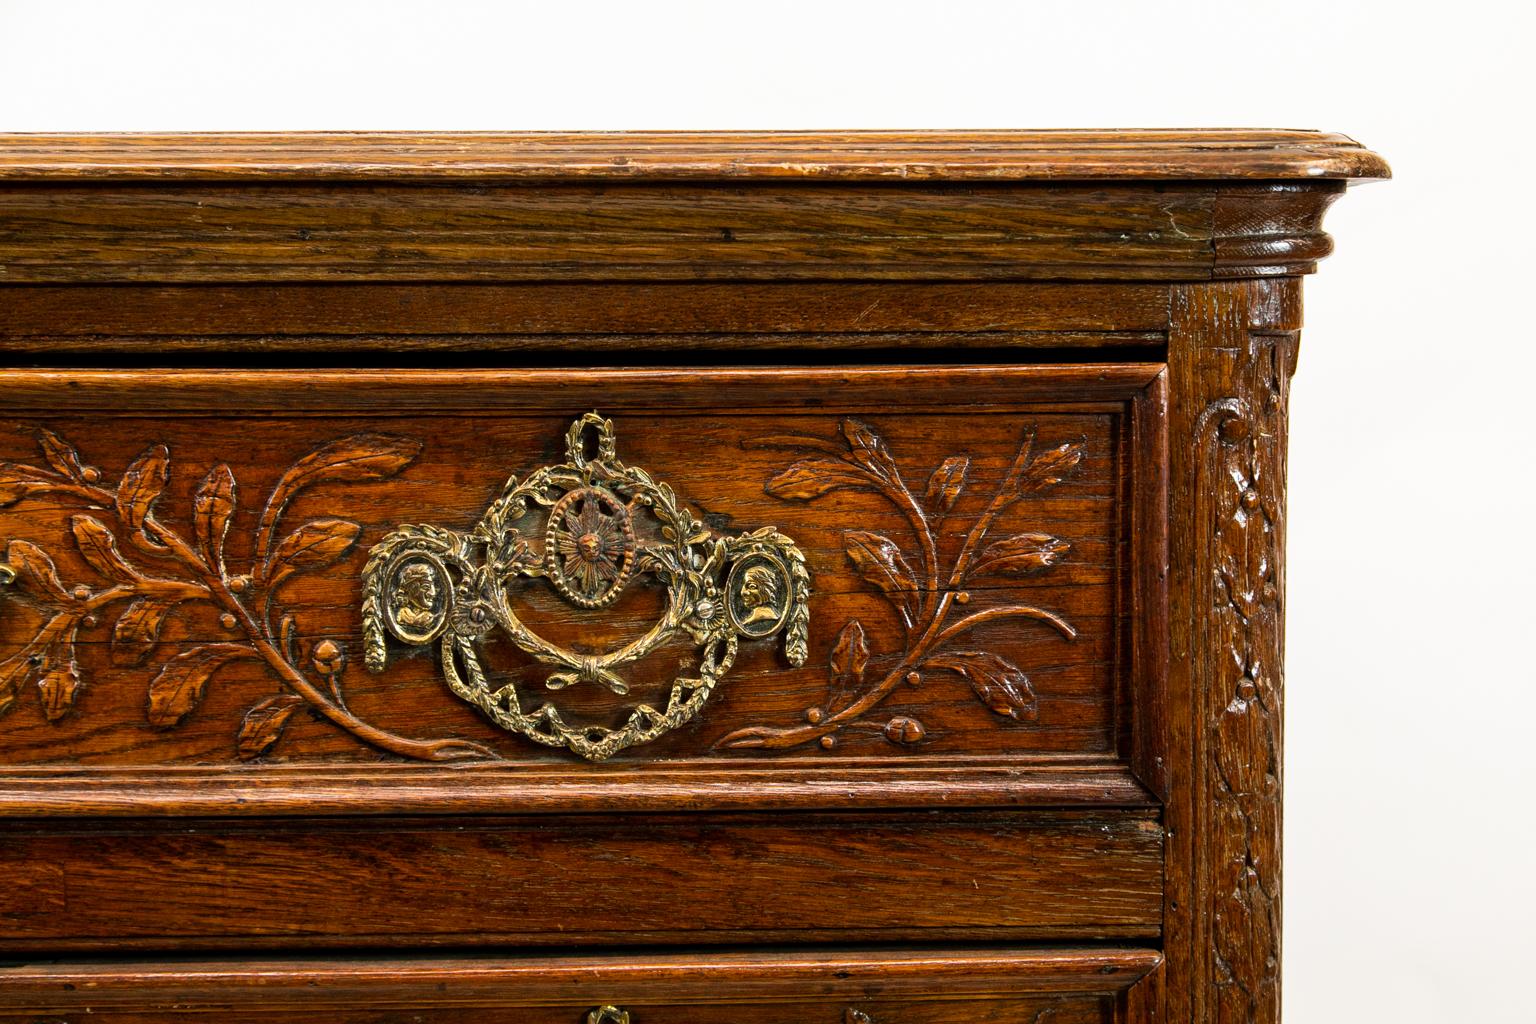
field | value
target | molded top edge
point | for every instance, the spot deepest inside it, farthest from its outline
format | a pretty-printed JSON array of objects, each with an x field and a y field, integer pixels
[{"x": 1066, "y": 155}]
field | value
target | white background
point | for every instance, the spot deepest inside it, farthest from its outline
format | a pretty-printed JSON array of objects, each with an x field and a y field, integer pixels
[{"x": 1409, "y": 835}]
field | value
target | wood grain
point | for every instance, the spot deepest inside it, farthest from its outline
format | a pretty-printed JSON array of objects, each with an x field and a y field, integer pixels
[
  {"x": 962, "y": 207},
  {"x": 927, "y": 985},
  {"x": 1227, "y": 616},
  {"x": 381, "y": 882},
  {"x": 492, "y": 317},
  {"x": 159, "y": 234},
  {"x": 889, "y": 155}
]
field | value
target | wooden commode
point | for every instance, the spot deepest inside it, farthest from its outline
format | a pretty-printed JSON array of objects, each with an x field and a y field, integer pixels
[{"x": 654, "y": 578}]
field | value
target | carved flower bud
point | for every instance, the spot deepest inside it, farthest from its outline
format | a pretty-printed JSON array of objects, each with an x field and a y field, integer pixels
[
  {"x": 328, "y": 658},
  {"x": 905, "y": 731}
]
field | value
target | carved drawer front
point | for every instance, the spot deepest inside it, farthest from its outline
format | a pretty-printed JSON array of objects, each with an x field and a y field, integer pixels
[
  {"x": 630, "y": 594},
  {"x": 828, "y": 987},
  {"x": 934, "y": 566}
]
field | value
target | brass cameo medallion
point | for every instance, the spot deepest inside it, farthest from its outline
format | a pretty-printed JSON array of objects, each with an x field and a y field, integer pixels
[
  {"x": 758, "y": 595},
  {"x": 418, "y": 598},
  {"x": 588, "y": 529}
]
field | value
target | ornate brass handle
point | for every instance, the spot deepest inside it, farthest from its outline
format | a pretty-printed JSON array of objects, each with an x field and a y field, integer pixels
[
  {"x": 608, "y": 1015},
  {"x": 589, "y": 527}
]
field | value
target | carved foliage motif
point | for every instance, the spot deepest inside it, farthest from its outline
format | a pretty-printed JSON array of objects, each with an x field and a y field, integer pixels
[
  {"x": 150, "y": 569},
  {"x": 750, "y": 586},
  {"x": 1240, "y": 507},
  {"x": 924, "y": 593}
]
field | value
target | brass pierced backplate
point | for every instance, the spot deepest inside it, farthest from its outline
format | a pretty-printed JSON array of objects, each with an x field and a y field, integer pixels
[{"x": 587, "y": 528}]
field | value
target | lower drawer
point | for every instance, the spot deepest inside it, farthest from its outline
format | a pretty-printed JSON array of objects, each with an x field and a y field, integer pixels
[
  {"x": 1072, "y": 986},
  {"x": 1029, "y": 876}
]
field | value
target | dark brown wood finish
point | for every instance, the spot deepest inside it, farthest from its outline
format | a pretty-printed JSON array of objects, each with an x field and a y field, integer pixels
[
  {"x": 1095, "y": 329},
  {"x": 590, "y": 880},
  {"x": 1088, "y": 658},
  {"x": 935, "y": 987}
]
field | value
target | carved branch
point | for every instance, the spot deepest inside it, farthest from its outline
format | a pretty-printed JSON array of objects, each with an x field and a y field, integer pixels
[
  {"x": 996, "y": 682},
  {"x": 361, "y": 457}
]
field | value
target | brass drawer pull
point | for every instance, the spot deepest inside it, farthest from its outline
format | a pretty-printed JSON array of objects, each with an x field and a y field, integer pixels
[
  {"x": 588, "y": 527},
  {"x": 608, "y": 1015}
]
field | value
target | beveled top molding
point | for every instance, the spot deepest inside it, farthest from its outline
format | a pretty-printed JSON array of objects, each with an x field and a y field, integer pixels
[
  {"x": 937, "y": 206},
  {"x": 1059, "y": 155}
]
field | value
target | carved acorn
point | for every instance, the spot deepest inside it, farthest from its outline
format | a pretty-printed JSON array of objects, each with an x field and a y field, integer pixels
[{"x": 328, "y": 658}]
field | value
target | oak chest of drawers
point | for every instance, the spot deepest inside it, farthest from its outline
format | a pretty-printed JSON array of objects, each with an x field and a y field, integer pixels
[{"x": 774, "y": 579}]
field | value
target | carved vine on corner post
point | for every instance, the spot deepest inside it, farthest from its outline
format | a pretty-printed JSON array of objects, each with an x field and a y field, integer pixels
[
  {"x": 1240, "y": 495},
  {"x": 162, "y": 569},
  {"x": 924, "y": 592}
]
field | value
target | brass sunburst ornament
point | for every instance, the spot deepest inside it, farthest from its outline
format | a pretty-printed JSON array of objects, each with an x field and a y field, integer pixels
[{"x": 589, "y": 549}]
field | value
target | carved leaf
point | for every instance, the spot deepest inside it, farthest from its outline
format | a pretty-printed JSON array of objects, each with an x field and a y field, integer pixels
[
  {"x": 352, "y": 458},
  {"x": 14, "y": 672},
  {"x": 61, "y": 455},
  {"x": 53, "y": 647},
  {"x": 99, "y": 549},
  {"x": 869, "y": 450},
  {"x": 141, "y": 486},
  {"x": 850, "y": 655},
  {"x": 178, "y": 688},
  {"x": 947, "y": 482},
  {"x": 1049, "y": 468},
  {"x": 358, "y": 457},
  {"x": 754, "y": 736},
  {"x": 36, "y": 570},
  {"x": 138, "y": 630},
  {"x": 58, "y": 687},
  {"x": 1021, "y": 553},
  {"x": 997, "y": 682},
  {"x": 264, "y": 723},
  {"x": 314, "y": 545},
  {"x": 879, "y": 561},
  {"x": 811, "y": 478},
  {"x": 212, "y": 506}
]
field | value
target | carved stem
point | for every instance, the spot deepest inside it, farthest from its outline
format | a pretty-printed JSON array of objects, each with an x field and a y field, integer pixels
[
  {"x": 902, "y": 497},
  {"x": 911, "y": 660},
  {"x": 1006, "y": 611},
  {"x": 1007, "y": 494}
]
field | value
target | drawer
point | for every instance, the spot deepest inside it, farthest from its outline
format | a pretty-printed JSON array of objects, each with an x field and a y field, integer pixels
[
  {"x": 760, "y": 637},
  {"x": 595, "y": 879},
  {"x": 1069, "y": 986},
  {"x": 928, "y": 566}
]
